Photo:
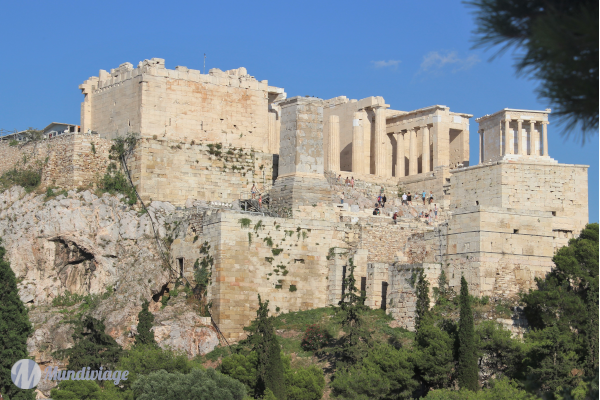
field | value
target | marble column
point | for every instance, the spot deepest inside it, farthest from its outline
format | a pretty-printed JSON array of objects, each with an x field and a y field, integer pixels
[
  {"x": 413, "y": 166},
  {"x": 520, "y": 142},
  {"x": 545, "y": 135},
  {"x": 533, "y": 139},
  {"x": 273, "y": 143},
  {"x": 380, "y": 137},
  {"x": 358, "y": 152},
  {"x": 480, "y": 145},
  {"x": 425, "y": 159},
  {"x": 333, "y": 144},
  {"x": 508, "y": 143},
  {"x": 400, "y": 170}
]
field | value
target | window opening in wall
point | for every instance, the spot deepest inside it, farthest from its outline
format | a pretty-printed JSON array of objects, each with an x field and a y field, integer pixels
[
  {"x": 363, "y": 284},
  {"x": 180, "y": 264},
  {"x": 384, "y": 286},
  {"x": 554, "y": 213},
  {"x": 343, "y": 281},
  {"x": 515, "y": 231}
]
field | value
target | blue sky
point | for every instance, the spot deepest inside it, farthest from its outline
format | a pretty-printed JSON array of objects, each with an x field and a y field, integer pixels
[{"x": 413, "y": 53}]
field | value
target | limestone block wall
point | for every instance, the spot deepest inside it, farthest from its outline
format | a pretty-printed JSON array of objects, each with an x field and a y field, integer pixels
[
  {"x": 230, "y": 107},
  {"x": 168, "y": 170},
  {"x": 401, "y": 297},
  {"x": 437, "y": 181},
  {"x": 558, "y": 189},
  {"x": 386, "y": 241},
  {"x": 283, "y": 260},
  {"x": 68, "y": 161}
]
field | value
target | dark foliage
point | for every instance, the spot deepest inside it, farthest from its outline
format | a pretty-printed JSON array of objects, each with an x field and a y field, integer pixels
[
  {"x": 466, "y": 371},
  {"x": 14, "y": 330},
  {"x": 558, "y": 41},
  {"x": 145, "y": 319}
]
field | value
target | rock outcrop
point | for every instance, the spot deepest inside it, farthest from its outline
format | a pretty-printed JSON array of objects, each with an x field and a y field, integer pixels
[{"x": 89, "y": 245}]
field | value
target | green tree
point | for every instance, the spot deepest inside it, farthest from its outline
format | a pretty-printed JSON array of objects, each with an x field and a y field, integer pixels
[
  {"x": 466, "y": 371},
  {"x": 557, "y": 43},
  {"x": 93, "y": 347},
  {"x": 422, "y": 306},
  {"x": 268, "y": 352},
  {"x": 14, "y": 330},
  {"x": 500, "y": 354},
  {"x": 354, "y": 344},
  {"x": 76, "y": 390},
  {"x": 145, "y": 359},
  {"x": 145, "y": 319},
  {"x": 304, "y": 383},
  {"x": 433, "y": 356},
  {"x": 385, "y": 373},
  {"x": 563, "y": 315},
  {"x": 197, "y": 385},
  {"x": 501, "y": 389}
]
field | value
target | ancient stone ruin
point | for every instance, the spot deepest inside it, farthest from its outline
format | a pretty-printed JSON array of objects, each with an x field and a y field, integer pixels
[{"x": 207, "y": 139}]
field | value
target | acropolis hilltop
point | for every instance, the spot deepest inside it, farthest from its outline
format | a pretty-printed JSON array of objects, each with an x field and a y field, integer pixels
[{"x": 206, "y": 139}]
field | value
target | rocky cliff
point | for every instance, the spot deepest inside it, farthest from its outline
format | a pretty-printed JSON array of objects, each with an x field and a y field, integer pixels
[{"x": 97, "y": 247}]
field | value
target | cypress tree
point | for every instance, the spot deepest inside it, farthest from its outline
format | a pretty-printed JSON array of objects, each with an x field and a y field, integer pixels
[
  {"x": 14, "y": 330},
  {"x": 268, "y": 351},
  {"x": 93, "y": 347},
  {"x": 145, "y": 320},
  {"x": 467, "y": 370},
  {"x": 422, "y": 306}
]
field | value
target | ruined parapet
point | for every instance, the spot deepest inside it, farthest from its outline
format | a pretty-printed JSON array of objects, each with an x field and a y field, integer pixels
[
  {"x": 402, "y": 296},
  {"x": 377, "y": 285},
  {"x": 338, "y": 258},
  {"x": 301, "y": 181}
]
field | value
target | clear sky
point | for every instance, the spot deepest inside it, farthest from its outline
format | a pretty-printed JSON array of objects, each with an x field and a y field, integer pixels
[{"x": 413, "y": 53}]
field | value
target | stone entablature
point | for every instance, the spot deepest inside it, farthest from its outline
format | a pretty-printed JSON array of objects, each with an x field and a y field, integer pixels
[
  {"x": 231, "y": 107},
  {"x": 532, "y": 142}
]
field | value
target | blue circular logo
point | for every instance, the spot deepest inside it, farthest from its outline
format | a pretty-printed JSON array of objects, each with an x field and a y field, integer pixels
[{"x": 25, "y": 374}]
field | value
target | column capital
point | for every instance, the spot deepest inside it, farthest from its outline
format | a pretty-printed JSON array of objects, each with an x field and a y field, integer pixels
[
  {"x": 545, "y": 122},
  {"x": 423, "y": 126}
]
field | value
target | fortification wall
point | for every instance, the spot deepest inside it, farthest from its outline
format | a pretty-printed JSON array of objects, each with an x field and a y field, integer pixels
[
  {"x": 68, "y": 161},
  {"x": 229, "y": 107},
  {"x": 283, "y": 260},
  {"x": 168, "y": 170},
  {"x": 558, "y": 189}
]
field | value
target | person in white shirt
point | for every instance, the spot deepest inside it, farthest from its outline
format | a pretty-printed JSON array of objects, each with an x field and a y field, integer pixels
[{"x": 404, "y": 203}]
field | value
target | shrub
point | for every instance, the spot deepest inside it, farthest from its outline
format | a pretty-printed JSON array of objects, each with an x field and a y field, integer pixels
[
  {"x": 293, "y": 288},
  {"x": 13, "y": 142},
  {"x": 315, "y": 338},
  {"x": 28, "y": 179},
  {"x": 114, "y": 181},
  {"x": 197, "y": 385},
  {"x": 67, "y": 299}
]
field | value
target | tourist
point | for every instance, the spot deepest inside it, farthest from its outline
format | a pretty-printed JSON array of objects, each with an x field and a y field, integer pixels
[
  {"x": 260, "y": 202},
  {"x": 253, "y": 190},
  {"x": 404, "y": 202},
  {"x": 394, "y": 218},
  {"x": 339, "y": 179},
  {"x": 424, "y": 196},
  {"x": 431, "y": 197},
  {"x": 384, "y": 199},
  {"x": 429, "y": 218},
  {"x": 375, "y": 211},
  {"x": 379, "y": 200},
  {"x": 342, "y": 198},
  {"x": 409, "y": 199},
  {"x": 347, "y": 181},
  {"x": 352, "y": 182},
  {"x": 435, "y": 210},
  {"x": 378, "y": 211}
]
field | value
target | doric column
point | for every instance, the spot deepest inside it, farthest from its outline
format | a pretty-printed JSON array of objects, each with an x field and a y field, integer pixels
[
  {"x": 358, "y": 152},
  {"x": 333, "y": 144},
  {"x": 425, "y": 158},
  {"x": 400, "y": 170},
  {"x": 413, "y": 166},
  {"x": 273, "y": 143},
  {"x": 545, "y": 134},
  {"x": 520, "y": 143},
  {"x": 480, "y": 145},
  {"x": 508, "y": 146},
  {"x": 532, "y": 139},
  {"x": 380, "y": 137}
]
